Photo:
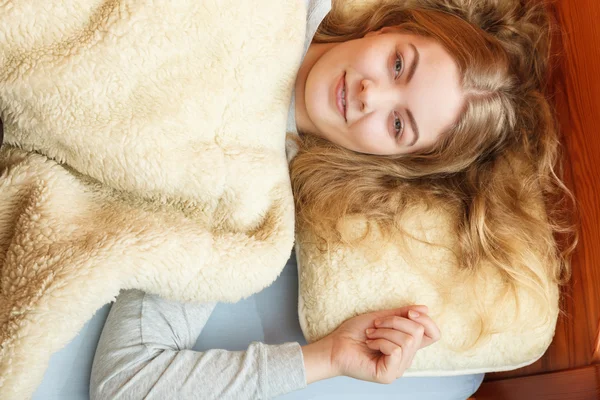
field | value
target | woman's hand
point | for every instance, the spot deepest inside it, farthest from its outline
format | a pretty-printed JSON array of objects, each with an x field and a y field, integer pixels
[{"x": 378, "y": 356}]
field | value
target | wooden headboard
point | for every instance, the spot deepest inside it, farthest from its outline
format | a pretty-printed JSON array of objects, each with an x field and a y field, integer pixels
[{"x": 570, "y": 369}]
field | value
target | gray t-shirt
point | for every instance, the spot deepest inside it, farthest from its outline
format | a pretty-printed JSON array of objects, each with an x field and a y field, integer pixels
[
  {"x": 145, "y": 349},
  {"x": 317, "y": 10}
]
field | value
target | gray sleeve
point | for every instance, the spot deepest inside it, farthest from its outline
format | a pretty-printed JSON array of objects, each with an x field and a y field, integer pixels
[{"x": 145, "y": 352}]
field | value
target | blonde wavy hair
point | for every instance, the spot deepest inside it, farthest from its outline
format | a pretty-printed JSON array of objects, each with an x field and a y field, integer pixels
[{"x": 491, "y": 171}]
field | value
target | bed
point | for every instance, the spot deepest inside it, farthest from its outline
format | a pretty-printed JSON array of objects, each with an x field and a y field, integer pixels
[{"x": 269, "y": 316}]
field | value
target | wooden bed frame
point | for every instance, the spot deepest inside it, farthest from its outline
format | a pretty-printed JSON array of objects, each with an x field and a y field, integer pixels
[{"x": 570, "y": 369}]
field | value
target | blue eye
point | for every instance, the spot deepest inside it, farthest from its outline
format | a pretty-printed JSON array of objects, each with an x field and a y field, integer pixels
[
  {"x": 397, "y": 125},
  {"x": 397, "y": 66}
]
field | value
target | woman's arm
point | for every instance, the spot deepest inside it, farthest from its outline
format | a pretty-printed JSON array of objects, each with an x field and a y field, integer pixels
[{"x": 145, "y": 352}]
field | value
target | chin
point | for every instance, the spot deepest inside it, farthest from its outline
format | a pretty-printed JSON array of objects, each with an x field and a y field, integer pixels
[{"x": 340, "y": 142}]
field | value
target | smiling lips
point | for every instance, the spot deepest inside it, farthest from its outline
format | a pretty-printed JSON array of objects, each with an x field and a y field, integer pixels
[{"x": 341, "y": 96}]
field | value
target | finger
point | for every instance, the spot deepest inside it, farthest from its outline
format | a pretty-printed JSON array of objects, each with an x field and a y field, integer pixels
[
  {"x": 389, "y": 365},
  {"x": 398, "y": 366},
  {"x": 402, "y": 324},
  {"x": 420, "y": 308},
  {"x": 385, "y": 346},
  {"x": 432, "y": 332},
  {"x": 402, "y": 311},
  {"x": 399, "y": 338},
  {"x": 408, "y": 354}
]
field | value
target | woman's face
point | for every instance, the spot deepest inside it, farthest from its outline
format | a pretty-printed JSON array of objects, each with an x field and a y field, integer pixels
[{"x": 387, "y": 93}]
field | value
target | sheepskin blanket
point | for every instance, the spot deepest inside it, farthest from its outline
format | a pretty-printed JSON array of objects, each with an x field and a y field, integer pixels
[
  {"x": 145, "y": 148},
  {"x": 418, "y": 266}
]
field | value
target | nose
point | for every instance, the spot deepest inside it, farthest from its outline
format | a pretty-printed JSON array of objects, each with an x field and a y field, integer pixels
[{"x": 373, "y": 95}]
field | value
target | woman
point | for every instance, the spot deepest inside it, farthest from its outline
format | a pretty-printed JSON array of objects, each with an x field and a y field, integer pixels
[{"x": 399, "y": 97}]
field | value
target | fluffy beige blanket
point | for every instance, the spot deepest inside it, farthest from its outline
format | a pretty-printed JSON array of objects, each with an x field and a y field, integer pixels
[{"x": 145, "y": 149}]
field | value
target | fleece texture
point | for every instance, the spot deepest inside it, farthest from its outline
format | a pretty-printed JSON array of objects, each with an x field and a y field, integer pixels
[
  {"x": 419, "y": 266},
  {"x": 144, "y": 148}
]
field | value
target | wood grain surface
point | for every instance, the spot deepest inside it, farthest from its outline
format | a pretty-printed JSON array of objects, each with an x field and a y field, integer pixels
[
  {"x": 575, "y": 384},
  {"x": 576, "y": 94}
]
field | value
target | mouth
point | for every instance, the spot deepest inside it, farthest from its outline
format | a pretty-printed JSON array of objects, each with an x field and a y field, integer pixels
[{"x": 342, "y": 96}]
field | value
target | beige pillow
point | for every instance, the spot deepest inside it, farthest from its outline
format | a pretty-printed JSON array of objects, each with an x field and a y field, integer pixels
[{"x": 342, "y": 281}]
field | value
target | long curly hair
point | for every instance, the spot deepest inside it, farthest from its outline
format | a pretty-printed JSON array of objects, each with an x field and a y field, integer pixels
[{"x": 496, "y": 171}]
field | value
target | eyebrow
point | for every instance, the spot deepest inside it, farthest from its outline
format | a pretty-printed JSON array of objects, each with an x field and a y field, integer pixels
[
  {"x": 411, "y": 72},
  {"x": 415, "y": 128},
  {"x": 415, "y": 62}
]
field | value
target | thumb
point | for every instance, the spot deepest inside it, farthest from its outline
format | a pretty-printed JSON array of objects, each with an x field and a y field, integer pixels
[{"x": 389, "y": 365}]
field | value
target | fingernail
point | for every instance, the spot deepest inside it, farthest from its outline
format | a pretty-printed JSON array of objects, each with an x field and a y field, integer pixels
[
  {"x": 377, "y": 322},
  {"x": 369, "y": 331},
  {"x": 413, "y": 314}
]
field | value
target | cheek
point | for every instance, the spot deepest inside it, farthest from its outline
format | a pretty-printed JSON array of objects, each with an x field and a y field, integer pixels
[
  {"x": 316, "y": 95},
  {"x": 370, "y": 133}
]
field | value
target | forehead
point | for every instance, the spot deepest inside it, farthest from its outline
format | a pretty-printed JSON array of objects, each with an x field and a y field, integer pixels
[{"x": 434, "y": 94}]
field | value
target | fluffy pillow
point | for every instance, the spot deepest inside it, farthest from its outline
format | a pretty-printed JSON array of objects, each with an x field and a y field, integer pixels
[{"x": 418, "y": 266}]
